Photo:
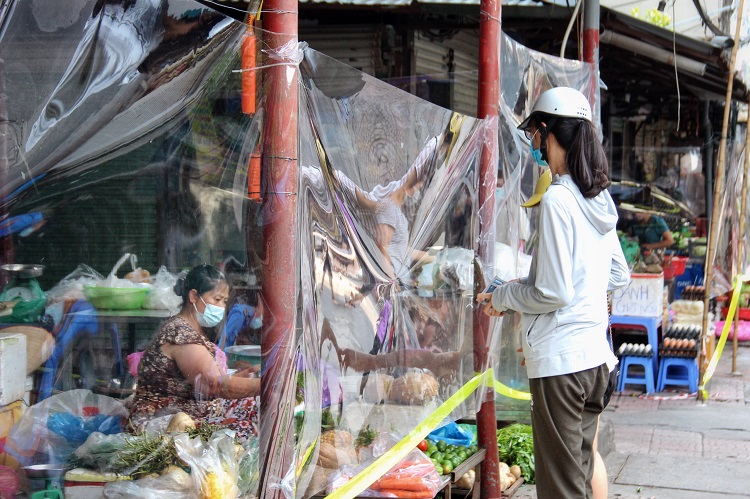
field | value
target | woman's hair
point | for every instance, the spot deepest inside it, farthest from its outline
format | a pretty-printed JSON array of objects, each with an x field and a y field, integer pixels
[
  {"x": 202, "y": 278},
  {"x": 587, "y": 161}
]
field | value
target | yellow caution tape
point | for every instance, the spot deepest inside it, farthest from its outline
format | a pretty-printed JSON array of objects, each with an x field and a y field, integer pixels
[
  {"x": 739, "y": 279},
  {"x": 306, "y": 456},
  {"x": 499, "y": 387},
  {"x": 510, "y": 392},
  {"x": 395, "y": 454}
]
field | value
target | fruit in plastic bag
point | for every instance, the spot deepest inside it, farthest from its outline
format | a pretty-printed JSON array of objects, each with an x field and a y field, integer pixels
[{"x": 414, "y": 387}]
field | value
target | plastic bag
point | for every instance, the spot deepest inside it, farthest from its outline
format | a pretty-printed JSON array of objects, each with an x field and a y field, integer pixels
[
  {"x": 414, "y": 476},
  {"x": 50, "y": 431},
  {"x": 452, "y": 434},
  {"x": 112, "y": 281},
  {"x": 213, "y": 464},
  {"x": 249, "y": 470},
  {"x": 100, "y": 451},
  {"x": 162, "y": 295},
  {"x": 71, "y": 286},
  {"x": 172, "y": 485}
]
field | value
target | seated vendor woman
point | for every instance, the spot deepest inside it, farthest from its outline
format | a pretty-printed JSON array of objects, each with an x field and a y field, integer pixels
[
  {"x": 179, "y": 369},
  {"x": 652, "y": 231}
]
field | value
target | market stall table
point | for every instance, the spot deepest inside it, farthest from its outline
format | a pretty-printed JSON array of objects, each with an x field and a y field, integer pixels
[{"x": 84, "y": 319}]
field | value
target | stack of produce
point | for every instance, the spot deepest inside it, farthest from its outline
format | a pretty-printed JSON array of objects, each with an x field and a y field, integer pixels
[
  {"x": 515, "y": 447},
  {"x": 446, "y": 457}
]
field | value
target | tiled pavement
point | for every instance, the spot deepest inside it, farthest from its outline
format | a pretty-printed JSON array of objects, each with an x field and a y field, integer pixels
[{"x": 672, "y": 446}]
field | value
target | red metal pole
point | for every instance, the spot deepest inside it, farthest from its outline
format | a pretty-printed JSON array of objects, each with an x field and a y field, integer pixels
[
  {"x": 487, "y": 107},
  {"x": 279, "y": 291},
  {"x": 591, "y": 45}
]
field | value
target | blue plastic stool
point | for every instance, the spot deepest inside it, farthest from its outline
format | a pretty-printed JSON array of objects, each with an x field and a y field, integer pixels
[
  {"x": 626, "y": 377},
  {"x": 683, "y": 372},
  {"x": 650, "y": 324}
]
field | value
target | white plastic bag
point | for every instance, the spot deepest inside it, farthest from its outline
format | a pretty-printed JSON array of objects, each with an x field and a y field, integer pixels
[
  {"x": 51, "y": 430},
  {"x": 213, "y": 465},
  {"x": 168, "y": 486},
  {"x": 162, "y": 295},
  {"x": 71, "y": 286}
]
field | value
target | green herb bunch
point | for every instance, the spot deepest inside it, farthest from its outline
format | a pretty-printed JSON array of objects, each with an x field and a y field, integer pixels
[
  {"x": 145, "y": 454},
  {"x": 515, "y": 445}
]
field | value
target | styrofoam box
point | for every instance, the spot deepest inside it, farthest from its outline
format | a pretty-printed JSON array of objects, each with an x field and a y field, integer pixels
[
  {"x": 643, "y": 297},
  {"x": 12, "y": 367}
]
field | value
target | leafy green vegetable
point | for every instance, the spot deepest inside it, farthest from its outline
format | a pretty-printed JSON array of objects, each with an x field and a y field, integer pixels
[
  {"x": 515, "y": 445},
  {"x": 365, "y": 437}
]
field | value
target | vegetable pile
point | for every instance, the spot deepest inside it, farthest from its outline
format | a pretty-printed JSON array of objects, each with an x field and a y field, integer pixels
[
  {"x": 446, "y": 457},
  {"x": 515, "y": 446}
]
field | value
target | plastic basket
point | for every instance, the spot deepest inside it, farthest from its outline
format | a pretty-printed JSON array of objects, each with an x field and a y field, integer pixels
[{"x": 115, "y": 298}]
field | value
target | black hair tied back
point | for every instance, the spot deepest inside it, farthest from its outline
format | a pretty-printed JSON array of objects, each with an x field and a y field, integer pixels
[
  {"x": 587, "y": 161},
  {"x": 179, "y": 286},
  {"x": 202, "y": 278}
]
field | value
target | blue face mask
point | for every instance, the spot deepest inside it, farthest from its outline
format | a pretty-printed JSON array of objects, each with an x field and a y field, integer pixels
[
  {"x": 537, "y": 155},
  {"x": 256, "y": 322},
  {"x": 211, "y": 316}
]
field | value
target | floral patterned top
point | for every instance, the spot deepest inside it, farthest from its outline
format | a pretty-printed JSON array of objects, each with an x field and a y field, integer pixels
[{"x": 162, "y": 388}]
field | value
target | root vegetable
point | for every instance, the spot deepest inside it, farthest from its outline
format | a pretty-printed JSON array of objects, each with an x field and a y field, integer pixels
[
  {"x": 467, "y": 480},
  {"x": 180, "y": 422},
  {"x": 515, "y": 470}
]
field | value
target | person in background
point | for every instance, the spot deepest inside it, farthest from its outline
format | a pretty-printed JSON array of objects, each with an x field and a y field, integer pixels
[
  {"x": 563, "y": 300},
  {"x": 652, "y": 231},
  {"x": 179, "y": 370}
]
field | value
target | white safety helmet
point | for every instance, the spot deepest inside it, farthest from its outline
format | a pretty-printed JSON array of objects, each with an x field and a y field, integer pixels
[{"x": 563, "y": 102}]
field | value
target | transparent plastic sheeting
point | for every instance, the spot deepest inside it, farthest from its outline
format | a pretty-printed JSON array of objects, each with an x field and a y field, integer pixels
[
  {"x": 124, "y": 133},
  {"x": 126, "y": 129},
  {"x": 729, "y": 239},
  {"x": 388, "y": 229},
  {"x": 525, "y": 74}
]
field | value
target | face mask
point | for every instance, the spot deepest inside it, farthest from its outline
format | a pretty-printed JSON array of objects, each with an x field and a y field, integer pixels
[
  {"x": 211, "y": 316},
  {"x": 537, "y": 155},
  {"x": 256, "y": 322},
  {"x": 499, "y": 194}
]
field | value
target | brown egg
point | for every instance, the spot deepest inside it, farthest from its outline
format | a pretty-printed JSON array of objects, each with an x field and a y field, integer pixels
[{"x": 691, "y": 344}]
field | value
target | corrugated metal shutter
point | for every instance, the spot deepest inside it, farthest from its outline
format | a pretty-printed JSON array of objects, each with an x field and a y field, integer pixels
[
  {"x": 355, "y": 46},
  {"x": 95, "y": 217},
  {"x": 433, "y": 56}
]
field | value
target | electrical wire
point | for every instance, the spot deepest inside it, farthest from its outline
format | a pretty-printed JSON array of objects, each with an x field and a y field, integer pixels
[
  {"x": 706, "y": 19},
  {"x": 674, "y": 59},
  {"x": 569, "y": 28}
]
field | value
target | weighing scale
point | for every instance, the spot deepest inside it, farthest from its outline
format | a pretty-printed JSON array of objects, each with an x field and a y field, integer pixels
[{"x": 22, "y": 299}]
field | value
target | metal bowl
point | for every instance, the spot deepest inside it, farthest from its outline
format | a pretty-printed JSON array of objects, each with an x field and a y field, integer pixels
[
  {"x": 23, "y": 270},
  {"x": 45, "y": 470}
]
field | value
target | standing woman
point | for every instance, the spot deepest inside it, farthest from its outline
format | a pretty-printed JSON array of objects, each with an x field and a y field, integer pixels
[
  {"x": 563, "y": 300},
  {"x": 179, "y": 370}
]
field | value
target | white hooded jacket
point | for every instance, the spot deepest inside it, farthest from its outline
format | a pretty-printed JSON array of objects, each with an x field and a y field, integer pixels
[{"x": 564, "y": 298}]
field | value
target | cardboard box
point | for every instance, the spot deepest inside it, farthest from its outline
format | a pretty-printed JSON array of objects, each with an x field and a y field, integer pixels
[{"x": 643, "y": 297}]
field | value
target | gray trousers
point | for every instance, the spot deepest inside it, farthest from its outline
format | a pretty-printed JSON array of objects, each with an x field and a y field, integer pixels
[{"x": 564, "y": 415}]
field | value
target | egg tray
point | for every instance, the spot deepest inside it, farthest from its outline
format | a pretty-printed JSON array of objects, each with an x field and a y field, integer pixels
[
  {"x": 631, "y": 352},
  {"x": 687, "y": 353},
  {"x": 681, "y": 333}
]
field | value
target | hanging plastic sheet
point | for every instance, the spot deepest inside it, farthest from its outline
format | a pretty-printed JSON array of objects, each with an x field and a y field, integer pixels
[
  {"x": 133, "y": 127},
  {"x": 388, "y": 232},
  {"x": 524, "y": 74},
  {"x": 729, "y": 239}
]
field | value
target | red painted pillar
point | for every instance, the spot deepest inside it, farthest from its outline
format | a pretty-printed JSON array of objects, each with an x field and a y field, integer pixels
[
  {"x": 279, "y": 290},
  {"x": 591, "y": 46},
  {"x": 487, "y": 107}
]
